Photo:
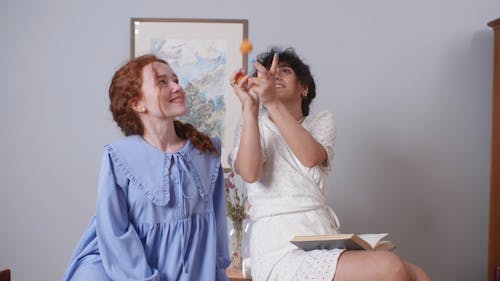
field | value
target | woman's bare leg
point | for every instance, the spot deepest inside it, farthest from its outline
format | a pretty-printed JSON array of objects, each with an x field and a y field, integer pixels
[
  {"x": 371, "y": 266},
  {"x": 376, "y": 265},
  {"x": 416, "y": 273}
]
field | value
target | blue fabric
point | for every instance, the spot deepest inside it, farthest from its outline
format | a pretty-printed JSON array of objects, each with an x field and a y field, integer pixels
[{"x": 160, "y": 216}]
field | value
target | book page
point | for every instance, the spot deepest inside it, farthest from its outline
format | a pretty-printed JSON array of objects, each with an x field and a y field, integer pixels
[{"x": 373, "y": 239}]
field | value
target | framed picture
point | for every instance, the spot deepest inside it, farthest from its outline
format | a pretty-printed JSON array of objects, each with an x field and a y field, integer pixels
[{"x": 203, "y": 53}]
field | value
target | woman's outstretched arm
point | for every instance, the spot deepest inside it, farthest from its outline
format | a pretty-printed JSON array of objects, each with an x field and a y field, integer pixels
[{"x": 248, "y": 162}]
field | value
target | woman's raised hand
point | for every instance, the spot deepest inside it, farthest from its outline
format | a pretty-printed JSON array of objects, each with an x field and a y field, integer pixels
[
  {"x": 240, "y": 82},
  {"x": 264, "y": 84}
]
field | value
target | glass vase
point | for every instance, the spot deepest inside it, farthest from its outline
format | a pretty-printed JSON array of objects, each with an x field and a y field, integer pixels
[{"x": 236, "y": 238}]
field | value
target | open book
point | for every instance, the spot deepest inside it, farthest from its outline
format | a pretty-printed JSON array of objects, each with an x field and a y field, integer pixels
[{"x": 343, "y": 241}]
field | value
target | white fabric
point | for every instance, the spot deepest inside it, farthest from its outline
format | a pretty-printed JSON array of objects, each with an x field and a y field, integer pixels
[{"x": 288, "y": 200}]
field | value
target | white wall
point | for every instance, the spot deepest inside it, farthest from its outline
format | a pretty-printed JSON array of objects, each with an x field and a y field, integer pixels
[{"x": 408, "y": 81}]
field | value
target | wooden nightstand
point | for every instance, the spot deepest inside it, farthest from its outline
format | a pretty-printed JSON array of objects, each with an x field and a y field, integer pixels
[{"x": 235, "y": 275}]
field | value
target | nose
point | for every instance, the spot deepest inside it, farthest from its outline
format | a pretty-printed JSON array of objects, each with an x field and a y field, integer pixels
[
  {"x": 277, "y": 75},
  {"x": 176, "y": 87}
]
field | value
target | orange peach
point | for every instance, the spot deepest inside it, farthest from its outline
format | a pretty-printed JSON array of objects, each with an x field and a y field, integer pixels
[{"x": 246, "y": 46}]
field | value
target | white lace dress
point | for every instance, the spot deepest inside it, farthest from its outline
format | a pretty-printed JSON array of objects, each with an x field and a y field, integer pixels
[{"x": 288, "y": 200}]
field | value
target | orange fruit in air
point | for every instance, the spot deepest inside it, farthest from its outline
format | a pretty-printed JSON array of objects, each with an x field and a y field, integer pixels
[{"x": 246, "y": 46}]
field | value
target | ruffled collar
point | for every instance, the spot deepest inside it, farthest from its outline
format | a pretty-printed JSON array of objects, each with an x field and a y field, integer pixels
[
  {"x": 145, "y": 165},
  {"x": 149, "y": 168}
]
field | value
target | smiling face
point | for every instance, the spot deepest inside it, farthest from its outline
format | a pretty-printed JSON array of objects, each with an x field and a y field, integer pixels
[
  {"x": 305, "y": 87},
  {"x": 162, "y": 96},
  {"x": 288, "y": 87}
]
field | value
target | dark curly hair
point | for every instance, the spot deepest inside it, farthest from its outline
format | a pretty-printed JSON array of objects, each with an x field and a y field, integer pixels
[
  {"x": 126, "y": 87},
  {"x": 302, "y": 71}
]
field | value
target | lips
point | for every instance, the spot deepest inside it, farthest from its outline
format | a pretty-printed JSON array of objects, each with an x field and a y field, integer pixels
[
  {"x": 178, "y": 99},
  {"x": 279, "y": 86}
]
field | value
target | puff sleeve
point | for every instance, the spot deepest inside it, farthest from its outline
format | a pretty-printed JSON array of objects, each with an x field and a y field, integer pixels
[
  {"x": 121, "y": 250},
  {"x": 322, "y": 128}
]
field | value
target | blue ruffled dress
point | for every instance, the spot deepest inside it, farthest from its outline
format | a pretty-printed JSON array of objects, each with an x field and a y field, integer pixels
[{"x": 160, "y": 216}]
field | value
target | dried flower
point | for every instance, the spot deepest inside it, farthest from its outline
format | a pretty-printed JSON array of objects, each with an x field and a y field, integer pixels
[{"x": 236, "y": 200}]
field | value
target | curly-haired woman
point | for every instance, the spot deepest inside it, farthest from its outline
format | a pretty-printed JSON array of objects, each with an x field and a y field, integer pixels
[
  {"x": 161, "y": 212},
  {"x": 285, "y": 156}
]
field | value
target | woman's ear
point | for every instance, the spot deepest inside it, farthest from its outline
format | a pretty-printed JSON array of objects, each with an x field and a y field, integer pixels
[
  {"x": 137, "y": 105},
  {"x": 304, "y": 92}
]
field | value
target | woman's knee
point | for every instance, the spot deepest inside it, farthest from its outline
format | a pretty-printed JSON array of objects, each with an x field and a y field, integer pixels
[
  {"x": 371, "y": 265},
  {"x": 391, "y": 267}
]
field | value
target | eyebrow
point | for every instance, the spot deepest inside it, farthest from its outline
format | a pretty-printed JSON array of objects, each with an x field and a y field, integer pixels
[{"x": 165, "y": 75}]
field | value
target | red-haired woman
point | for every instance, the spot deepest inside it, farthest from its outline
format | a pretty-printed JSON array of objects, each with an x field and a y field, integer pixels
[{"x": 161, "y": 212}]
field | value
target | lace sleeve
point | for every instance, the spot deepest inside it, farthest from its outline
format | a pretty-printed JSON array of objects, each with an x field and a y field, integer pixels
[{"x": 322, "y": 128}]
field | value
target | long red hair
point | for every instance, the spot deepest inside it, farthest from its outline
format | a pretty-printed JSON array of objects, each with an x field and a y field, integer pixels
[{"x": 126, "y": 87}]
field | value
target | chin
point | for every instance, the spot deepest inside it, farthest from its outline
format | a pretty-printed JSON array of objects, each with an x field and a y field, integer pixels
[
  {"x": 175, "y": 113},
  {"x": 182, "y": 112}
]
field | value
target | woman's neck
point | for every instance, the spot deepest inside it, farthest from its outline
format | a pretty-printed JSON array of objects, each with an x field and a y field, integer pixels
[
  {"x": 163, "y": 136},
  {"x": 296, "y": 111}
]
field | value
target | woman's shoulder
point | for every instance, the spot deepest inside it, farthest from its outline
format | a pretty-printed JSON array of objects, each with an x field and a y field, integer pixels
[
  {"x": 206, "y": 157},
  {"x": 125, "y": 143},
  {"x": 322, "y": 117},
  {"x": 325, "y": 114},
  {"x": 133, "y": 160}
]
